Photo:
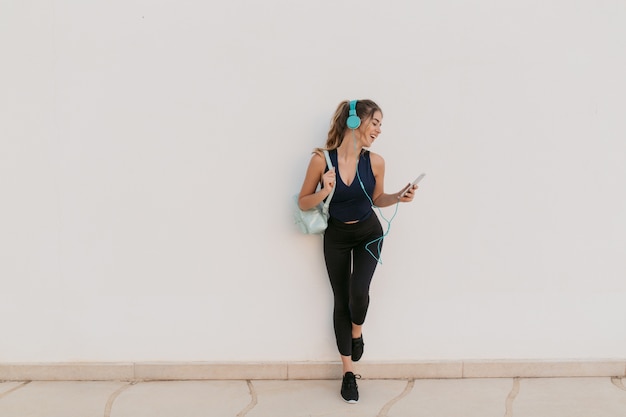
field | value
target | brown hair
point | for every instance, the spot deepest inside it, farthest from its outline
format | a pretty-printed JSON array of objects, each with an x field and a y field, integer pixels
[{"x": 364, "y": 109}]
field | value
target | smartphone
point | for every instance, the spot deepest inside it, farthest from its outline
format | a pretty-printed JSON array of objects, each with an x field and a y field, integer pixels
[{"x": 417, "y": 180}]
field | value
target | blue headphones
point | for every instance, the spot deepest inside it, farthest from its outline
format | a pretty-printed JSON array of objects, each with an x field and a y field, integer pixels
[{"x": 353, "y": 120}]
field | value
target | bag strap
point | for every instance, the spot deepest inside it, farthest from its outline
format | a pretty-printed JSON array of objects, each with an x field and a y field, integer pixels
[{"x": 330, "y": 166}]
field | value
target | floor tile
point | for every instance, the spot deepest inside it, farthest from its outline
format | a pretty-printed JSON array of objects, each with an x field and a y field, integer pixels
[
  {"x": 455, "y": 397},
  {"x": 5, "y": 387},
  {"x": 58, "y": 399},
  {"x": 321, "y": 398},
  {"x": 569, "y": 397},
  {"x": 182, "y": 398}
]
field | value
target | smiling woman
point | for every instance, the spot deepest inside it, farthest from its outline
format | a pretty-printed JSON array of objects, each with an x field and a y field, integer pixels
[{"x": 357, "y": 177}]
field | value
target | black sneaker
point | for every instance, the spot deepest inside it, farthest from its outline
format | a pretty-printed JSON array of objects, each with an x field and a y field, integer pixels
[
  {"x": 349, "y": 389},
  {"x": 357, "y": 348}
]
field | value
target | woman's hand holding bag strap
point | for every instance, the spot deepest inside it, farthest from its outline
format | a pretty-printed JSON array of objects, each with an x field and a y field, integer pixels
[{"x": 315, "y": 220}]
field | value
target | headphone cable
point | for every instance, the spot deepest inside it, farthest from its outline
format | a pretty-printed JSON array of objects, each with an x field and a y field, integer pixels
[{"x": 388, "y": 221}]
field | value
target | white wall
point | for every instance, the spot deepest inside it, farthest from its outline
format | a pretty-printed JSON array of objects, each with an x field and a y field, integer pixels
[{"x": 150, "y": 150}]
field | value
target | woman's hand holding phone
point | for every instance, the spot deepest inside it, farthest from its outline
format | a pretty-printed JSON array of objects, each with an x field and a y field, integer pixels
[{"x": 413, "y": 185}]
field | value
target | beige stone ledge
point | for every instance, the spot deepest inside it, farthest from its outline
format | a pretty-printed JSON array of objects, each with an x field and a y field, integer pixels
[
  {"x": 377, "y": 370},
  {"x": 543, "y": 369},
  {"x": 210, "y": 371},
  {"x": 163, "y": 371},
  {"x": 87, "y": 371}
]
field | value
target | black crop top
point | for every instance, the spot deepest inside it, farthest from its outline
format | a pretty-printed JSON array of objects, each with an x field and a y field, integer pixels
[{"x": 349, "y": 203}]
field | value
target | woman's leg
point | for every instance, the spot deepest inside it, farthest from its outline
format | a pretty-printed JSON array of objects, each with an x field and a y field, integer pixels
[
  {"x": 347, "y": 364},
  {"x": 338, "y": 260},
  {"x": 363, "y": 268}
]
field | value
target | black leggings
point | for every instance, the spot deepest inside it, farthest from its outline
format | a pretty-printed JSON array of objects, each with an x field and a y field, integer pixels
[{"x": 350, "y": 269}]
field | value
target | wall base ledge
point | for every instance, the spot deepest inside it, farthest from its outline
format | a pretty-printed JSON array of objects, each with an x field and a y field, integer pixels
[{"x": 172, "y": 371}]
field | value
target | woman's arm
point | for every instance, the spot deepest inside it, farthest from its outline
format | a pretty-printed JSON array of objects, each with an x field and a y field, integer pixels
[
  {"x": 380, "y": 198},
  {"x": 315, "y": 175}
]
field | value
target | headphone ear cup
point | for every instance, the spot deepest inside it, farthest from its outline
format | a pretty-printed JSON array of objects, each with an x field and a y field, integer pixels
[{"x": 353, "y": 122}]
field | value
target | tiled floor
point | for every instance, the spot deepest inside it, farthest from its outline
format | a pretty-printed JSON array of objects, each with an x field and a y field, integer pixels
[{"x": 483, "y": 397}]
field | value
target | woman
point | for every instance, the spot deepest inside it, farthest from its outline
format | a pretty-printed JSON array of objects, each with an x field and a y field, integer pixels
[{"x": 353, "y": 239}]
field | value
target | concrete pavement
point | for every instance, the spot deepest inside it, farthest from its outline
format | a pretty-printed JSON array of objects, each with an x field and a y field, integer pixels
[{"x": 482, "y": 397}]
